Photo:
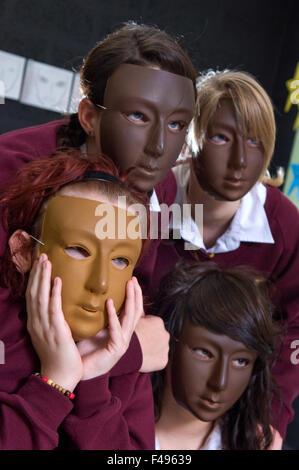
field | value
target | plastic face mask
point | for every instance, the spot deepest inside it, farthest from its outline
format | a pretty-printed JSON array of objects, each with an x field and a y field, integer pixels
[
  {"x": 92, "y": 254},
  {"x": 210, "y": 372},
  {"x": 229, "y": 164},
  {"x": 144, "y": 125}
]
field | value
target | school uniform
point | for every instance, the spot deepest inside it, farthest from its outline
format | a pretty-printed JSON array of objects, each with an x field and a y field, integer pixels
[
  {"x": 264, "y": 235},
  {"x": 113, "y": 411}
]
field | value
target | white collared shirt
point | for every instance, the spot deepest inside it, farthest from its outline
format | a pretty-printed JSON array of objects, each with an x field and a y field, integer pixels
[
  {"x": 214, "y": 441},
  {"x": 154, "y": 202},
  {"x": 250, "y": 223}
]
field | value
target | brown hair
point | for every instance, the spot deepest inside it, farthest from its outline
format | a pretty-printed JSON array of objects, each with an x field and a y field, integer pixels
[
  {"x": 131, "y": 44},
  {"x": 252, "y": 105}
]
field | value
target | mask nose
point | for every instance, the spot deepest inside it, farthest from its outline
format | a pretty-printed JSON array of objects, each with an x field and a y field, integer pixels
[
  {"x": 219, "y": 377},
  {"x": 98, "y": 277},
  {"x": 238, "y": 158},
  {"x": 156, "y": 142}
]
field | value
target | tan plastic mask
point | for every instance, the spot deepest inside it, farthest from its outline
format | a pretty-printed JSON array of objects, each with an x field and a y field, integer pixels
[{"x": 92, "y": 269}]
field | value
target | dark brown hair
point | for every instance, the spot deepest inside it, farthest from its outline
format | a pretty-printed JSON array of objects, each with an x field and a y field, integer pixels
[
  {"x": 131, "y": 44},
  {"x": 232, "y": 302}
]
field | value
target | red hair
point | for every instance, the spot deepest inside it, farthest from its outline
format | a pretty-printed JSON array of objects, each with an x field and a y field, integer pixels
[{"x": 23, "y": 197}]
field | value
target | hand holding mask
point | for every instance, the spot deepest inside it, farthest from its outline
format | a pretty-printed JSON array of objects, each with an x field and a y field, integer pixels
[
  {"x": 50, "y": 335},
  {"x": 101, "y": 352}
]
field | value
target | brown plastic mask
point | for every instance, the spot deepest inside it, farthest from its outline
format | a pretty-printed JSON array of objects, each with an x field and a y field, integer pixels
[
  {"x": 209, "y": 372},
  {"x": 92, "y": 269},
  {"x": 144, "y": 125},
  {"x": 229, "y": 163}
]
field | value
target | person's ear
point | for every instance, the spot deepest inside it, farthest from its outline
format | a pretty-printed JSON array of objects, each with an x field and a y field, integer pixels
[
  {"x": 21, "y": 245},
  {"x": 89, "y": 116}
]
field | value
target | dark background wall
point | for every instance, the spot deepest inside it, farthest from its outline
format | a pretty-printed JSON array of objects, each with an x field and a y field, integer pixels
[{"x": 259, "y": 36}]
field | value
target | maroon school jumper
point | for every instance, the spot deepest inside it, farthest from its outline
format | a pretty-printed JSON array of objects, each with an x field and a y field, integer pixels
[
  {"x": 278, "y": 262},
  {"x": 114, "y": 411}
]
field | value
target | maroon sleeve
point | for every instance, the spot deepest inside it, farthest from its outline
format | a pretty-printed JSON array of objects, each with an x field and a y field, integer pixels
[
  {"x": 29, "y": 419},
  {"x": 131, "y": 361},
  {"x": 286, "y": 278},
  {"x": 24, "y": 145},
  {"x": 111, "y": 414}
]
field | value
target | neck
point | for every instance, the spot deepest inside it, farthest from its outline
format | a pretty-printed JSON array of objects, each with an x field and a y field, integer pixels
[
  {"x": 91, "y": 146},
  {"x": 177, "y": 428},
  {"x": 217, "y": 214}
]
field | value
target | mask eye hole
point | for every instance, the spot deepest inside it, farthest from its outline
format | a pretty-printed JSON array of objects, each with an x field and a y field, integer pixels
[
  {"x": 120, "y": 263},
  {"x": 177, "y": 126},
  {"x": 77, "y": 252},
  {"x": 241, "y": 362}
]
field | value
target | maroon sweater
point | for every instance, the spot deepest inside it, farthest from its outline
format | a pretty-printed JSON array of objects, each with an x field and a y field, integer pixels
[
  {"x": 278, "y": 262},
  {"x": 114, "y": 411}
]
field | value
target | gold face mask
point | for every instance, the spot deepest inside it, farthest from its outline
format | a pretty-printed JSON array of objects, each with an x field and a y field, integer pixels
[{"x": 93, "y": 255}]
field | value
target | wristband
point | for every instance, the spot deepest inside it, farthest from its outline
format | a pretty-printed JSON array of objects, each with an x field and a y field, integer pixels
[{"x": 60, "y": 389}]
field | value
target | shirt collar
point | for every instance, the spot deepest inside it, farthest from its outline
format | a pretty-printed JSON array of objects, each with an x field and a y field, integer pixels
[
  {"x": 250, "y": 223},
  {"x": 214, "y": 441},
  {"x": 154, "y": 202}
]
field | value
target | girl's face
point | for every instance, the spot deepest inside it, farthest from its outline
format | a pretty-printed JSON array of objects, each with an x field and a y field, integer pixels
[
  {"x": 230, "y": 163},
  {"x": 93, "y": 258},
  {"x": 144, "y": 125},
  {"x": 209, "y": 372}
]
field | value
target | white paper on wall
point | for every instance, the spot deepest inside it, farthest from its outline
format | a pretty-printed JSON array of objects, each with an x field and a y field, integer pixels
[
  {"x": 76, "y": 95},
  {"x": 11, "y": 74},
  {"x": 46, "y": 86}
]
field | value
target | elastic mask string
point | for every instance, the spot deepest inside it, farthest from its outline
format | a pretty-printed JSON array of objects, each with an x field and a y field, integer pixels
[{"x": 38, "y": 241}]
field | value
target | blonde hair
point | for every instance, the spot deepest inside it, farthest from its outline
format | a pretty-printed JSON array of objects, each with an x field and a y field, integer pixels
[{"x": 253, "y": 108}]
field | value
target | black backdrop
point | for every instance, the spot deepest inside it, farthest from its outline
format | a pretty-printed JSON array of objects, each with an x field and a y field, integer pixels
[{"x": 259, "y": 36}]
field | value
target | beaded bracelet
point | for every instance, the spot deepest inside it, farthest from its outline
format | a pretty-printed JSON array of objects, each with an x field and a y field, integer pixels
[{"x": 60, "y": 389}]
